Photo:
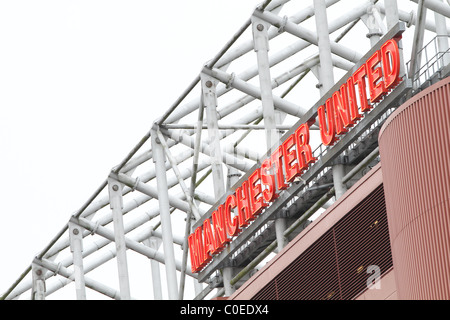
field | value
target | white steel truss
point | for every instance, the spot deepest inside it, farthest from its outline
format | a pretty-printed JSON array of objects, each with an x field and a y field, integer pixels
[{"x": 283, "y": 59}]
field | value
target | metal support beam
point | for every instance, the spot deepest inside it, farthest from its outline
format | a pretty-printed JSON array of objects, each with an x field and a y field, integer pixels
[
  {"x": 442, "y": 40},
  {"x": 192, "y": 205},
  {"x": 410, "y": 18},
  {"x": 239, "y": 84},
  {"x": 166, "y": 224},
  {"x": 131, "y": 243},
  {"x": 151, "y": 191},
  {"x": 38, "y": 278},
  {"x": 378, "y": 19},
  {"x": 261, "y": 45},
  {"x": 418, "y": 40},
  {"x": 392, "y": 14},
  {"x": 327, "y": 76},
  {"x": 392, "y": 19},
  {"x": 225, "y": 127},
  {"x": 90, "y": 283},
  {"x": 375, "y": 24},
  {"x": 229, "y": 159},
  {"x": 116, "y": 204},
  {"x": 324, "y": 44},
  {"x": 228, "y": 272},
  {"x": 437, "y": 6},
  {"x": 210, "y": 101},
  {"x": 307, "y": 35},
  {"x": 76, "y": 247},
  {"x": 338, "y": 175},
  {"x": 193, "y": 185},
  {"x": 248, "y": 45},
  {"x": 155, "y": 243}
]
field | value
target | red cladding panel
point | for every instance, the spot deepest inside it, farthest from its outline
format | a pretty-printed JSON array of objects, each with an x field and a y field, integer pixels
[{"x": 415, "y": 157}]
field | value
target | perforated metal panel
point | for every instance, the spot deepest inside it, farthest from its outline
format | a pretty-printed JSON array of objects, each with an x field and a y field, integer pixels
[{"x": 335, "y": 266}]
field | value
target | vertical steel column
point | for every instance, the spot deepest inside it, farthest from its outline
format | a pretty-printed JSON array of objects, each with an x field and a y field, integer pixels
[
  {"x": 442, "y": 34},
  {"x": 193, "y": 209},
  {"x": 228, "y": 272},
  {"x": 76, "y": 247},
  {"x": 418, "y": 39},
  {"x": 339, "y": 173},
  {"x": 327, "y": 77},
  {"x": 261, "y": 46},
  {"x": 198, "y": 287},
  {"x": 392, "y": 18},
  {"x": 374, "y": 23},
  {"x": 38, "y": 278},
  {"x": 378, "y": 20},
  {"x": 210, "y": 101},
  {"x": 323, "y": 41},
  {"x": 154, "y": 243},
  {"x": 116, "y": 205},
  {"x": 164, "y": 209}
]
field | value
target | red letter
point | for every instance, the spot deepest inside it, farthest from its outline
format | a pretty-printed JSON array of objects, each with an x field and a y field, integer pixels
[
  {"x": 255, "y": 190},
  {"x": 304, "y": 153},
  {"x": 341, "y": 110},
  {"x": 243, "y": 204},
  {"x": 268, "y": 180},
  {"x": 328, "y": 135},
  {"x": 197, "y": 252},
  {"x": 289, "y": 156},
  {"x": 231, "y": 225},
  {"x": 220, "y": 231},
  {"x": 352, "y": 102},
  {"x": 209, "y": 240},
  {"x": 276, "y": 158},
  {"x": 193, "y": 252},
  {"x": 391, "y": 68},
  {"x": 374, "y": 74},
  {"x": 358, "y": 78}
]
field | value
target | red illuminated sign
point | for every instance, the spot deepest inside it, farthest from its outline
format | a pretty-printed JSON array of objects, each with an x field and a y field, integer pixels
[{"x": 346, "y": 106}]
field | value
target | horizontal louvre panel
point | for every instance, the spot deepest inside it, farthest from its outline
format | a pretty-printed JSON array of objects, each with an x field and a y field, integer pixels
[{"x": 335, "y": 266}]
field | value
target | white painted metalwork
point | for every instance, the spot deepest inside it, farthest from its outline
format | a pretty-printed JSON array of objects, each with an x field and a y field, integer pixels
[{"x": 257, "y": 87}]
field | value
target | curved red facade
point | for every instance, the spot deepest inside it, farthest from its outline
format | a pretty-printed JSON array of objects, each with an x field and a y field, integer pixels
[{"x": 415, "y": 157}]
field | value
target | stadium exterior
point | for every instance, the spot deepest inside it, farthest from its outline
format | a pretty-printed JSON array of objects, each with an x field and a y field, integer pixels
[{"x": 324, "y": 173}]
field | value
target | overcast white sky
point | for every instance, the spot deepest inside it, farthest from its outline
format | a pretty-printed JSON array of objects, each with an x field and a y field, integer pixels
[{"x": 80, "y": 83}]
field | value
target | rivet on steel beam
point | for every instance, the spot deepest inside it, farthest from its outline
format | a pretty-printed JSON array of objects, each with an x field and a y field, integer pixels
[
  {"x": 115, "y": 187},
  {"x": 75, "y": 231},
  {"x": 260, "y": 27},
  {"x": 208, "y": 84}
]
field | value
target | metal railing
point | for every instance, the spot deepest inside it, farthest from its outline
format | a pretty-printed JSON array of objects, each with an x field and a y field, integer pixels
[{"x": 430, "y": 60}]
